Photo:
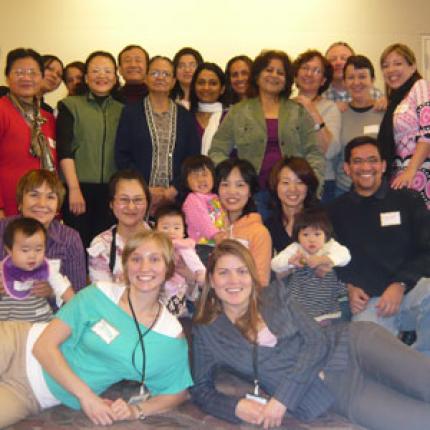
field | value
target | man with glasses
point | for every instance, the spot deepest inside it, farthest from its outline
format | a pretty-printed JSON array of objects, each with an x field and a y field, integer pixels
[{"x": 387, "y": 232}]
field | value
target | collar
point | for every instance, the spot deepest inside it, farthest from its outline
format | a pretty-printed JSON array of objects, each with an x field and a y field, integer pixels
[
  {"x": 380, "y": 193},
  {"x": 210, "y": 107}
]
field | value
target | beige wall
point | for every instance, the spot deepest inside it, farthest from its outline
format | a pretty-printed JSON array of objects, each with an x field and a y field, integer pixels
[{"x": 220, "y": 29}]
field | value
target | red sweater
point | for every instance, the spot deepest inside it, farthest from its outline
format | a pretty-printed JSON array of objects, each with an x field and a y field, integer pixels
[{"x": 15, "y": 157}]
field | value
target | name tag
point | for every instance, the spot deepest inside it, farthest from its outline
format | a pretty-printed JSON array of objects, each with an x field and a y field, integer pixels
[
  {"x": 390, "y": 218},
  {"x": 371, "y": 129},
  {"x": 258, "y": 399},
  {"x": 105, "y": 331},
  {"x": 23, "y": 285}
]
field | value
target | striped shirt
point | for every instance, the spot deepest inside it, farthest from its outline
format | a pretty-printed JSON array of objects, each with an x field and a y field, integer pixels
[
  {"x": 33, "y": 309},
  {"x": 318, "y": 296},
  {"x": 343, "y": 96}
]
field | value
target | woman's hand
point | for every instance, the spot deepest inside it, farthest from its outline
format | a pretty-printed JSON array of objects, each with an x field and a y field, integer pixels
[
  {"x": 42, "y": 289},
  {"x": 250, "y": 411},
  {"x": 76, "y": 201},
  {"x": 404, "y": 179},
  {"x": 98, "y": 410},
  {"x": 273, "y": 413},
  {"x": 122, "y": 410}
]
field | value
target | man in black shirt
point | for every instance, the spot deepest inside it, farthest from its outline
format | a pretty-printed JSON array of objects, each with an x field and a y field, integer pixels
[{"x": 387, "y": 232}]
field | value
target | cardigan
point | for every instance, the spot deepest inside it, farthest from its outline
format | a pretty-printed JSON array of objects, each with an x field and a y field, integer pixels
[
  {"x": 133, "y": 147},
  {"x": 288, "y": 371},
  {"x": 245, "y": 129},
  {"x": 15, "y": 157}
]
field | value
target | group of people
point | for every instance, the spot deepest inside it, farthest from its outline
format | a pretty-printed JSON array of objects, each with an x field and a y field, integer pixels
[{"x": 218, "y": 197}]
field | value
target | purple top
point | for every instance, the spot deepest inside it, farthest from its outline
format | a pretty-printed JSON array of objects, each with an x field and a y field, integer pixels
[
  {"x": 272, "y": 154},
  {"x": 63, "y": 244}
]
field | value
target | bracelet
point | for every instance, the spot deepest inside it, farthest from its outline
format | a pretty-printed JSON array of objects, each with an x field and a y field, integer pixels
[{"x": 140, "y": 413}]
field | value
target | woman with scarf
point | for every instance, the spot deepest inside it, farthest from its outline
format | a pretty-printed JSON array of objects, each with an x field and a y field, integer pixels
[
  {"x": 207, "y": 90},
  {"x": 405, "y": 129},
  {"x": 27, "y": 133}
]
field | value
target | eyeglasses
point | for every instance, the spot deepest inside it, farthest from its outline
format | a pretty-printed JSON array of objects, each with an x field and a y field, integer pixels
[
  {"x": 312, "y": 70},
  {"x": 21, "y": 73},
  {"x": 97, "y": 71},
  {"x": 160, "y": 74},
  {"x": 125, "y": 201},
  {"x": 361, "y": 161}
]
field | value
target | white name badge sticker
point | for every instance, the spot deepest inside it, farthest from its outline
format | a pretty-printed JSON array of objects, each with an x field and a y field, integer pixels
[
  {"x": 105, "y": 331},
  {"x": 390, "y": 218},
  {"x": 371, "y": 129}
]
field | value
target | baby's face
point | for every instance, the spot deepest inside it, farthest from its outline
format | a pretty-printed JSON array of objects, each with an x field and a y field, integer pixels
[
  {"x": 312, "y": 239},
  {"x": 172, "y": 225},
  {"x": 200, "y": 181},
  {"x": 27, "y": 252}
]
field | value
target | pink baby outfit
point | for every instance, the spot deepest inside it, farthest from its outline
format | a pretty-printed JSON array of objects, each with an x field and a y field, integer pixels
[{"x": 204, "y": 216}]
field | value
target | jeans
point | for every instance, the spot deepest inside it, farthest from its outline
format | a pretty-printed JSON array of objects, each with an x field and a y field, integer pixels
[{"x": 414, "y": 314}]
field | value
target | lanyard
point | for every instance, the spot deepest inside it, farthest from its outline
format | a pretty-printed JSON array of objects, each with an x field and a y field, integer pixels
[
  {"x": 255, "y": 369},
  {"x": 141, "y": 336}
]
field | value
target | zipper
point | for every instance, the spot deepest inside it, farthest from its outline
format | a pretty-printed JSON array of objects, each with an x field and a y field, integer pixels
[{"x": 103, "y": 143}]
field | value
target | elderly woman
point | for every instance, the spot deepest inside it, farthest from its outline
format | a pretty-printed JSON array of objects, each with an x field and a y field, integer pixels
[
  {"x": 405, "y": 129},
  {"x": 155, "y": 137},
  {"x": 185, "y": 63},
  {"x": 206, "y": 97},
  {"x": 313, "y": 75},
  {"x": 40, "y": 195},
  {"x": 268, "y": 126},
  {"x": 27, "y": 133},
  {"x": 107, "y": 333},
  {"x": 358, "y": 370},
  {"x": 237, "y": 73},
  {"x": 86, "y": 129}
]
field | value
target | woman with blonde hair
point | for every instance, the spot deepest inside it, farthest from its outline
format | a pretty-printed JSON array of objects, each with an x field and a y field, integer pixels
[
  {"x": 109, "y": 332},
  {"x": 405, "y": 129},
  {"x": 358, "y": 370}
]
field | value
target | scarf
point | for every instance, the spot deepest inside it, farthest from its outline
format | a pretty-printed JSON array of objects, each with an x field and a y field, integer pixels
[
  {"x": 213, "y": 124},
  {"x": 39, "y": 145},
  {"x": 386, "y": 131}
]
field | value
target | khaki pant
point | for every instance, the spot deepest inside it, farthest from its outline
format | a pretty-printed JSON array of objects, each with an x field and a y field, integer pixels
[{"x": 17, "y": 399}]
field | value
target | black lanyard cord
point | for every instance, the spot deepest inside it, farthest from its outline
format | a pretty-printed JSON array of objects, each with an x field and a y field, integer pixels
[
  {"x": 141, "y": 335},
  {"x": 255, "y": 368}
]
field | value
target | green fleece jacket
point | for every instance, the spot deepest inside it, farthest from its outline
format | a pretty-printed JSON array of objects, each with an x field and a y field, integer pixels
[{"x": 244, "y": 128}]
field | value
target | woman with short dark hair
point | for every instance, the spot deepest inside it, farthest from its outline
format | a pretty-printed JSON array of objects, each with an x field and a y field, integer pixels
[
  {"x": 313, "y": 74},
  {"x": 27, "y": 132}
]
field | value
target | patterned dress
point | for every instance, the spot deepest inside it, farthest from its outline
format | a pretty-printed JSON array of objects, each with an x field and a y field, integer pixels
[{"x": 411, "y": 123}]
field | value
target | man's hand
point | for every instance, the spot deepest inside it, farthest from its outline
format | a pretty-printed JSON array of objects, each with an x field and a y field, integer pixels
[
  {"x": 390, "y": 300},
  {"x": 357, "y": 299}
]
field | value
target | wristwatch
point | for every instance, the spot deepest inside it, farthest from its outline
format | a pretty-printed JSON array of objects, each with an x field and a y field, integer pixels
[
  {"x": 319, "y": 126},
  {"x": 140, "y": 413}
]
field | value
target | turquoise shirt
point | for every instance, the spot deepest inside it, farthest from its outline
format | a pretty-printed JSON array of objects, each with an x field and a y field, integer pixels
[{"x": 101, "y": 361}]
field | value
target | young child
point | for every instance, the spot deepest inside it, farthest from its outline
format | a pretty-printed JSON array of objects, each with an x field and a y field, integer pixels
[
  {"x": 314, "y": 248},
  {"x": 170, "y": 220},
  {"x": 204, "y": 215},
  {"x": 26, "y": 266}
]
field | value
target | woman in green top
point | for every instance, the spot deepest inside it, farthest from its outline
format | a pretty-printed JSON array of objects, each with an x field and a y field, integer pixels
[
  {"x": 269, "y": 126},
  {"x": 111, "y": 332},
  {"x": 86, "y": 131}
]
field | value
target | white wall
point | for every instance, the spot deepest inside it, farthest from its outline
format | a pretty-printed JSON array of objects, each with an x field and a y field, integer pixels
[{"x": 219, "y": 29}]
